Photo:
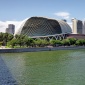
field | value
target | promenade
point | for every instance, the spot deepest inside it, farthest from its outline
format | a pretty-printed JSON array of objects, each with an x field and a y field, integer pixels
[
  {"x": 15, "y": 50},
  {"x": 6, "y": 77}
]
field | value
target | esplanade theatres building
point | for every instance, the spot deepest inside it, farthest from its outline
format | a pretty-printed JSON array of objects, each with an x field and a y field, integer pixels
[{"x": 41, "y": 27}]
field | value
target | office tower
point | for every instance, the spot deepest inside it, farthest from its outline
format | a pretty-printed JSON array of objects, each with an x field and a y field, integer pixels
[
  {"x": 84, "y": 27},
  {"x": 10, "y": 29},
  {"x": 77, "y": 26}
]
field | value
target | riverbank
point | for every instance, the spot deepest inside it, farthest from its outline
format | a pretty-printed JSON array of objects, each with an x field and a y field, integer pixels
[{"x": 15, "y": 50}]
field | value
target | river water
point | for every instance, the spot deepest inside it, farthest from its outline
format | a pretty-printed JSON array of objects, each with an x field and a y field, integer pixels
[{"x": 65, "y": 67}]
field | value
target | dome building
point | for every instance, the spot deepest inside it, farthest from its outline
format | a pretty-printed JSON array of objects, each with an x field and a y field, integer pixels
[{"x": 43, "y": 27}]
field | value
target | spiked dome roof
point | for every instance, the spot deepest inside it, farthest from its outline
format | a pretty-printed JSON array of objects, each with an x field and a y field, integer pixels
[{"x": 41, "y": 26}]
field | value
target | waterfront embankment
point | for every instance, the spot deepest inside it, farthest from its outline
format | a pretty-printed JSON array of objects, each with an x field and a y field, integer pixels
[{"x": 14, "y": 50}]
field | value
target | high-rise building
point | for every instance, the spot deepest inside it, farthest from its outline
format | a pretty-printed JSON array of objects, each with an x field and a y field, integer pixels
[
  {"x": 84, "y": 27},
  {"x": 10, "y": 29},
  {"x": 77, "y": 26}
]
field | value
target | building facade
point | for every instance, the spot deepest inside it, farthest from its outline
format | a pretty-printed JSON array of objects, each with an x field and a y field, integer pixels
[
  {"x": 77, "y": 26},
  {"x": 10, "y": 29},
  {"x": 84, "y": 27},
  {"x": 41, "y": 27}
]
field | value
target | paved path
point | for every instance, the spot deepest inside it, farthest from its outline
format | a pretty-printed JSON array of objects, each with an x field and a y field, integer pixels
[{"x": 5, "y": 75}]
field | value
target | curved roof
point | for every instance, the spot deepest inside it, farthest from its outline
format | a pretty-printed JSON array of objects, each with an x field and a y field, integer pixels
[
  {"x": 40, "y": 26},
  {"x": 19, "y": 28},
  {"x": 65, "y": 27}
]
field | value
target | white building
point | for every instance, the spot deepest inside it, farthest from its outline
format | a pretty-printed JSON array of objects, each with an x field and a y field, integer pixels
[
  {"x": 77, "y": 26},
  {"x": 84, "y": 27}
]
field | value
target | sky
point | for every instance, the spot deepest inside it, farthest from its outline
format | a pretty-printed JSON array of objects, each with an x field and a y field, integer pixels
[{"x": 15, "y": 11}]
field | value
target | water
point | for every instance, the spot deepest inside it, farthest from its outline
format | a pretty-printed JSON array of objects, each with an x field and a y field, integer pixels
[{"x": 47, "y": 68}]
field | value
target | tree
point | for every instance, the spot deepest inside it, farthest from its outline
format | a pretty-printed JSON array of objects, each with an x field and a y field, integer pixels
[
  {"x": 58, "y": 42},
  {"x": 80, "y": 42},
  {"x": 12, "y": 43},
  {"x": 5, "y": 37},
  {"x": 1, "y": 36},
  {"x": 44, "y": 43},
  {"x": 10, "y": 37},
  {"x": 16, "y": 36},
  {"x": 53, "y": 42},
  {"x": 37, "y": 42},
  {"x": 28, "y": 41},
  {"x": 72, "y": 41},
  {"x": 20, "y": 40},
  {"x": 66, "y": 42},
  {"x": 1, "y": 43}
]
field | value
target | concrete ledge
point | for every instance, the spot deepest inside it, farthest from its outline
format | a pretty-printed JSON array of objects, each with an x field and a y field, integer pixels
[{"x": 40, "y": 49}]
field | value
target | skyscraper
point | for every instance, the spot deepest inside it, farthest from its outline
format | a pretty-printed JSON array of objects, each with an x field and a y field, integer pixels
[
  {"x": 84, "y": 27},
  {"x": 77, "y": 26},
  {"x": 10, "y": 29}
]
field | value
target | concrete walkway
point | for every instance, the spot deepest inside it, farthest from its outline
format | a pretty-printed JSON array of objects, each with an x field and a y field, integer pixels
[
  {"x": 6, "y": 77},
  {"x": 15, "y": 50}
]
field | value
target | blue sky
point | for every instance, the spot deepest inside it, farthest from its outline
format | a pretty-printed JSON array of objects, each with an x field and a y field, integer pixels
[
  {"x": 18, "y": 10},
  {"x": 21, "y": 9}
]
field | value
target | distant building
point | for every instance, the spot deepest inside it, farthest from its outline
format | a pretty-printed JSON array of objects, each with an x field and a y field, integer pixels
[
  {"x": 84, "y": 27},
  {"x": 77, "y": 26},
  {"x": 10, "y": 29},
  {"x": 7, "y": 30}
]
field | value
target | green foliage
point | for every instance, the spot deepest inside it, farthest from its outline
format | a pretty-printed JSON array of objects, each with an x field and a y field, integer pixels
[
  {"x": 1, "y": 36},
  {"x": 1, "y": 43},
  {"x": 45, "y": 43},
  {"x": 58, "y": 42},
  {"x": 55, "y": 42},
  {"x": 17, "y": 36},
  {"x": 5, "y": 37},
  {"x": 10, "y": 37},
  {"x": 12, "y": 43},
  {"x": 80, "y": 42},
  {"x": 24, "y": 41},
  {"x": 19, "y": 40},
  {"x": 40, "y": 42},
  {"x": 72, "y": 41},
  {"x": 66, "y": 42},
  {"x": 28, "y": 41}
]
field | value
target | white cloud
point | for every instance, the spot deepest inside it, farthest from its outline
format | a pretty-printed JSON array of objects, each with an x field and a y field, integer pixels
[
  {"x": 64, "y": 15},
  {"x": 4, "y": 25}
]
